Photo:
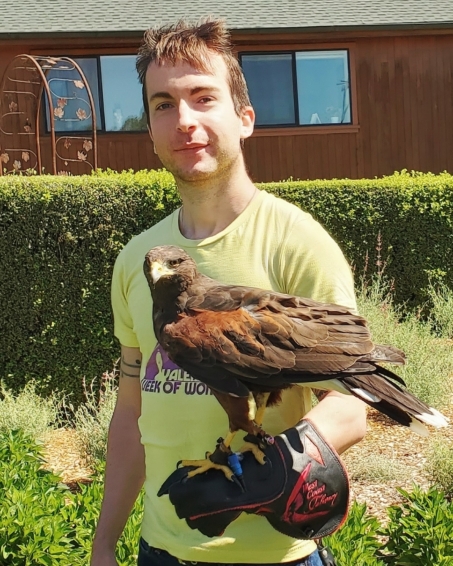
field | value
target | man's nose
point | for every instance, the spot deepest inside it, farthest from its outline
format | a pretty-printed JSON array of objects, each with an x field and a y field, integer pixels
[{"x": 186, "y": 117}]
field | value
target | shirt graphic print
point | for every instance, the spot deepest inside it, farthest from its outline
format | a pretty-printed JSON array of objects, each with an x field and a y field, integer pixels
[{"x": 164, "y": 376}]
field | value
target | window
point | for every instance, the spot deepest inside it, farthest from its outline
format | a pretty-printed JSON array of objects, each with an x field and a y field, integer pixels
[
  {"x": 301, "y": 88},
  {"x": 122, "y": 93},
  {"x": 271, "y": 88},
  {"x": 115, "y": 89}
]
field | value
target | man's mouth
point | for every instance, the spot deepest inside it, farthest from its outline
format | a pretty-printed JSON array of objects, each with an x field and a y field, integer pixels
[{"x": 191, "y": 146}]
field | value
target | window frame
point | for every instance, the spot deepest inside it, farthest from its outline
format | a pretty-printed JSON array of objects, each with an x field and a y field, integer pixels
[
  {"x": 84, "y": 54},
  {"x": 297, "y": 129}
]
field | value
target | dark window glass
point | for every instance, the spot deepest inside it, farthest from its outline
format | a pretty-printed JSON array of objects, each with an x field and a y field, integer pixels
[
  {"x": 323, "y": 87},
  {"x": 122, "y": 93},
  {"x": 320, "y": 83},
  {"x": 270, "y": 82},
  {"x": 70, "y": 99}
]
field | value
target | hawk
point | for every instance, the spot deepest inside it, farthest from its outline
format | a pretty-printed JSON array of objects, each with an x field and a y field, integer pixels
[{"x": 250, "y": 344}]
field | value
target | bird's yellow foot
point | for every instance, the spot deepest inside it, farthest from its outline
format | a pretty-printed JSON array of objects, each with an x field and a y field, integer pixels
[
  {"x": 256, "y": 445},
  {"x": 260, "y": 456},
  {"x": 202, "y": 466},
  {"x": 217, "y": 460}
]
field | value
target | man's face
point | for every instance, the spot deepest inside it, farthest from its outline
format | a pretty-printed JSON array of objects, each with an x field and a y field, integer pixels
[{"x": 193, "y": 124}]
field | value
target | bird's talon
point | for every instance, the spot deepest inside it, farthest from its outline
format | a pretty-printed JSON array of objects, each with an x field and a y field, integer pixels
[
  {"x": 178, "y": 464},
  {"x": 238, "y": 482}
]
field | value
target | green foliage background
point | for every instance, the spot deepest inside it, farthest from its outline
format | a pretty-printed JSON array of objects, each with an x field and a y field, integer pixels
[{"x": 60, "y": 237}]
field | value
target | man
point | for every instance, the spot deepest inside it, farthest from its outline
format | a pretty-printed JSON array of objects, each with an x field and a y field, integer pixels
[{"x": 199, "y": 115}]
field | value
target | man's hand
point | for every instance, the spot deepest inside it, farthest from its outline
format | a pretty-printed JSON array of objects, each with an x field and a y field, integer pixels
[
  {"x": 101, "y": 558},
  {"x": 302, "y": 489}
]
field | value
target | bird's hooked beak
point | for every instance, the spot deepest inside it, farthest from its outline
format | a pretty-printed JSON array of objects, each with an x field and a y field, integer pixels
[{"x": 158, "y": 270}]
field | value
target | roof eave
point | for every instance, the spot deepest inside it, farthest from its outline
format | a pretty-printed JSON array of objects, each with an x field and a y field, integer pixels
[
  {"x": 346, "y": 28},
  {"x": 249, "y": 31}
]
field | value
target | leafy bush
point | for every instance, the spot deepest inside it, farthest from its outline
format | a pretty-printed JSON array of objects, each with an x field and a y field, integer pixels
[
  {"x": 28, "y": 411},
  {"x": 420, "y": 531},
  {"x": 429, "y": 360},
  {"x": 34, "y": 526},
  {"x": 441, "y": 298},
  {"x": 85, "y": 512},
  {"x": 439, "y": 465},
  {"x": 41, "y": 521},
  {"x": 92, "y": 419},
  {"x": 356, "y": 543}
]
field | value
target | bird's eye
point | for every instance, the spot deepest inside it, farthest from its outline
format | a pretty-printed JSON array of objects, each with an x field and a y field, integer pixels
[{"x": 174, "y": 262}]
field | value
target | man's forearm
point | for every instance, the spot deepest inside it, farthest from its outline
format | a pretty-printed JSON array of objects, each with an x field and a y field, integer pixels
[
  {"x": 341, "y": 419},
  {"x": 125, "y": 473}
]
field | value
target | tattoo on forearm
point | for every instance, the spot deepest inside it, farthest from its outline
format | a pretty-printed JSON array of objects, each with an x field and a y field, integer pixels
[{"x": 134, "y": 370}]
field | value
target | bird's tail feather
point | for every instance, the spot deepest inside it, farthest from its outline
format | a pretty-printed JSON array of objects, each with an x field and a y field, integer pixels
[{"x": 397, "y": 403}]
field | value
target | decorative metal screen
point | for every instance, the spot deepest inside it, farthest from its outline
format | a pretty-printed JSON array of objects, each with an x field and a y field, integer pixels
[{"x": 47, "y": 117}]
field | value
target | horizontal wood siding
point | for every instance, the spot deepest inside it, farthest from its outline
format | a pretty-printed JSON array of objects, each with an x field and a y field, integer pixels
[
  {"x": 403, "y": 112},
  {"x": 129, "y": 151}
]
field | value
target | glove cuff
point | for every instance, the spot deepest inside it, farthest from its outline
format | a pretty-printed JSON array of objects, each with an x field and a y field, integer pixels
[{"x": 316, "y": 498}]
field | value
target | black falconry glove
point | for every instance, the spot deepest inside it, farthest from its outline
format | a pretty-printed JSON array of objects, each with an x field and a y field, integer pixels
[{"x": 302, "y": 489}]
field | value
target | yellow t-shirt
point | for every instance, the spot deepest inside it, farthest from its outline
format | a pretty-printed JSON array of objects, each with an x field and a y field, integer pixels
[{"x": 272, "y": 245}]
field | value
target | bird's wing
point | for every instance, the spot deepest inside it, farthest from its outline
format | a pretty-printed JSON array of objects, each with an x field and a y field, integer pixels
[{"x": 266, "y": 338}]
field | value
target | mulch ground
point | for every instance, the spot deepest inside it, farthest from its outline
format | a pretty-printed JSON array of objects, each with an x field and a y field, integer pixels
[
  {"x": 384, "y": 439},
  {"x": 399, "y": 445}
]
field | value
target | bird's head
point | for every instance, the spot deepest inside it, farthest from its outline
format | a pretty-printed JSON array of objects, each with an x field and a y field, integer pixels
[{"x": 169, "y": 268}]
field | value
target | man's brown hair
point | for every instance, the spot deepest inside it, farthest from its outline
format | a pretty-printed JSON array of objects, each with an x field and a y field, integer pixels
[{"x": 194, "y": 44}]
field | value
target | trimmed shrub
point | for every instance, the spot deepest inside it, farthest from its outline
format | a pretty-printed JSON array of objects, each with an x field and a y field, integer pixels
[
  {"x": 60, "y": 238},
  {"x": 404, "y": 221}
]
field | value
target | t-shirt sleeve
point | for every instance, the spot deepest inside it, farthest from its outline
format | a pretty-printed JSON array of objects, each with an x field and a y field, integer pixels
[
  {"x": 314, "y": 266},
  {"x": 123, "y": 325}
]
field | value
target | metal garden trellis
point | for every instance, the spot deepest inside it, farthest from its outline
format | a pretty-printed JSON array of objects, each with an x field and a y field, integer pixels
[{"x": 26, "y": 90}]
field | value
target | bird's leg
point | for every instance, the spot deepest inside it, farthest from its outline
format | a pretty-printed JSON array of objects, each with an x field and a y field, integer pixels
[
  {"x": 245, "y": 413},
  {"x": 257, "y": 440}
]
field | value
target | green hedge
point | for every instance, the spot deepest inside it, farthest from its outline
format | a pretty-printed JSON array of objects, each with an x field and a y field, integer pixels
[
  {"x": 60, "y": 237},
  {"x": 401, "y": 225}
]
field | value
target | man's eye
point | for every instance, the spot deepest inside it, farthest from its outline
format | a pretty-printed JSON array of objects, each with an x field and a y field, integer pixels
[
  {"x": 206, "y": 99},
  {"x": 163, "y": 106}
]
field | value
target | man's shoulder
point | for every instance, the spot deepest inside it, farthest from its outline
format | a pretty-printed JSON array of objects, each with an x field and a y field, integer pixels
[{"x": 277, "y": 205}]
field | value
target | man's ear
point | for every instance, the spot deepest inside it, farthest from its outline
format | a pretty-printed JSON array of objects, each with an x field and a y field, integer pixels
[
  {"x": 248, "y": 122},
  {"x": 152, "y": 139}
]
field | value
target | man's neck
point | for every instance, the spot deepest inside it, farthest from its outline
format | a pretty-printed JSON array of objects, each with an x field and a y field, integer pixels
[{"x": 209, "y": 208}]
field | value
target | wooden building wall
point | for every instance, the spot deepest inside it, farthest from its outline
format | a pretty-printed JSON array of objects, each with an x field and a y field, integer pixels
[{"x": 402, "y": 88}]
